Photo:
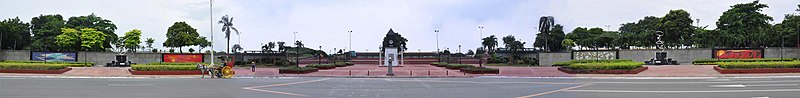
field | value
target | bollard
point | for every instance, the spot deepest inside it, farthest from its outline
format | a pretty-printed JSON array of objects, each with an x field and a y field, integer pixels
[
  {"x": 429, "y": 72},
  {"x": 410, "y": 73},
  {"x": 464, "y": 73},
  {"x": 447, "y": 73},
  {"x": 367, "y": 72},
  {"x": 349, "y": 72}
]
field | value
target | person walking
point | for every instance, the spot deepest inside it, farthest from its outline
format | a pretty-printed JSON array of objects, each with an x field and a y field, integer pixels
[{"x": 253, "y": 66}]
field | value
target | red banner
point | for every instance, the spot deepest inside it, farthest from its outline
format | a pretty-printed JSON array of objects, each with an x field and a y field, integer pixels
[
  {"x": 182, "y": 57},
  {"x": 738, "y": 54}
]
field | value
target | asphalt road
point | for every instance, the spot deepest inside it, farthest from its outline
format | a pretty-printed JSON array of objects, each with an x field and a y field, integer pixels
[{"x": 321, "y": 87}]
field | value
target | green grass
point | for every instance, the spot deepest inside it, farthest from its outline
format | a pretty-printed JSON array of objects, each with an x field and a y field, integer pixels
[
  {"x": 150, "y": 67},
  {"x": 32, "y": 66},
  {"x": 590, "y": 61},
  {"x": 605, "y": 66},
  {"x": 714, "y": 61},
  {"x": 755, "y": 65}
]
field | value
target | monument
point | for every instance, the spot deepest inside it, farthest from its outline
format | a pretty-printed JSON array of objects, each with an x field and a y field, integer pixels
[
  {"x": 661, "y": 56},
  {"x": 391, "y": 50}
]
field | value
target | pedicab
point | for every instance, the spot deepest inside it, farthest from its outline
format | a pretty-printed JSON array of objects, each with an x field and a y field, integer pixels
[{"x": 222, "y": 71}]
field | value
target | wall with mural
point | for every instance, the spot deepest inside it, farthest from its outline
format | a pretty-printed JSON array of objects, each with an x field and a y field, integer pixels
[
  {"x": 738, "y": 53},
  {"x": 182, "y": 57},
  {"x": 54, "y": 56},
  {"x": 594, "y": 55}
]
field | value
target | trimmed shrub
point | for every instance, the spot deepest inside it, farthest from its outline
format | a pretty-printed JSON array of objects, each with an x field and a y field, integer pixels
[
  {"x": 480, "y": 70},
  {"x": 143, "y": 67},
  {"x": 322, "y": 66},
  {"x": 755, "y": 65},
  {"x": 32, "y": 66},
  {"x": 340, "y": 64},
  {"x": 457, "y": 66},
  {"x": 605, "y": 66},
  {"x": 68, "y": 64},
  {"x": 349, "y": 63},
  {"x": 590, "y": 61},
  {"x": 295, "y": 69},
  {"x": 714, "y": 61},
  {"x": 439, "y": 64}
]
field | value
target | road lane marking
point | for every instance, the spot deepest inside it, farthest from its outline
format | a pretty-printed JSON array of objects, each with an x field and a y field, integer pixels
[
  {"x": 482, "y": 82},
  {"x": 713, "y": 91},
  {"x": 554, "y": 91},
  {"x": 255, "y": 88},
  {"x": 131, "y": 84},
  {"x": 762, "y": 85}
]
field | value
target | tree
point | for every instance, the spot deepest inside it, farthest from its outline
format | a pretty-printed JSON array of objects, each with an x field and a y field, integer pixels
[
  {"x": 179, "y": 35},
  {"x": 227, "y": 27},
  {"x": 298, "y": 44},
  {"x": 68, "y": 40},
  {"x": 513, "y": 46},
  {"x": 640, "y": 34},
  {"x": 268, "y": 47},
  {"x": 98, "y": 23},
  {"x": 132, "y": 40},
  {"x": 470, "y": 52},
  {"x": 191, "y": 50},
  {"x": 92, "y": 39},
  {"x": 237, "y": 48},
  {"x": 568, "y": 44},
  {"x": 545, "y": 28},
  {"x": 202, "y": 43},
  {"x": 743, "y": 24},
  {"x": 149, "y": 42},
  {"x": 45, "y": 28},
  {"x": 281, "y": 46},
  {"x": 677, "y": 28},
  {"x": 14, "y": 34},
  {"x": 490, "y": 43},
  {"x": 399, "y": 40},
  {"x": 553, "y": 39}
]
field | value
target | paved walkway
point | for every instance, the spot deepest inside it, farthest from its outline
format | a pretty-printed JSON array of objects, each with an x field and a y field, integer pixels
[{"x": 423, "y": 70}]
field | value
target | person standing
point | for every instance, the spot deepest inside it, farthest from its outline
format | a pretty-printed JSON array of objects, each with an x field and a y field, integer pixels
[{"x": 253, "y": 66}]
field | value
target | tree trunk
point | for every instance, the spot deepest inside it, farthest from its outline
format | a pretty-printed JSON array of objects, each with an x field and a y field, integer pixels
[
  {"x": 228, "y": 50},
  {"x": 180, "y": 49}
]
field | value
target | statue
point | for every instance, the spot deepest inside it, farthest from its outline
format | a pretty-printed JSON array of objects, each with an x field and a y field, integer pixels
[{"x": 661, "y": 56}]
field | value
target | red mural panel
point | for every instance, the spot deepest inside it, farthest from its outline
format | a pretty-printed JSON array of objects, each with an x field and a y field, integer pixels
[
  {"x": 738, "y": 54},
  {"x": 182, "y": 58}
]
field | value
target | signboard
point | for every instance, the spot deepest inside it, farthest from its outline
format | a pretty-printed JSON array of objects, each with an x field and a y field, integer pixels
[
  {"x": 738, "y": 53},
  {"x": 182, "y": 57},
  {"x": 54, "y": 56},
  {"x": 595, "y": 55}
]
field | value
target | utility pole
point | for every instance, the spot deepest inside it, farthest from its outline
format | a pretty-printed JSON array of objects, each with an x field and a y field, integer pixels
[
  {"x": 296, "y": 51},
  {"x": 211, "y": 25},
  {"x": 439, "y": 57}
]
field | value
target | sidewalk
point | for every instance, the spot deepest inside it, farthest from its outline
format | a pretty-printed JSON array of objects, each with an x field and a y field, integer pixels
[{"x": 414, "y": 70}]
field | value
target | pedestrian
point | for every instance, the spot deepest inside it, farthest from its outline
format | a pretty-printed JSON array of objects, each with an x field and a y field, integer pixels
[{"x": 253, "y": 66}]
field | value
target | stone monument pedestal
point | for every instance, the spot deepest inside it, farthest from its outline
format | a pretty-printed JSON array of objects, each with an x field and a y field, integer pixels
[{"x": 661, "y": 59}]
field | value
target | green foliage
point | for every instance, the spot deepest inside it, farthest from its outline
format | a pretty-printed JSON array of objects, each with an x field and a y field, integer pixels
[
  {"x": 132, "y": 40},
  {"x": 480, "y": 69},
  {"x": 297, "y": 69},
  {"x": 594, "y": 37},
  {"x": 755, "y": 65},
  {"x": 68, "y": 40},
  {"x": 227, "y": 27},
  {"x": 32, "y": 66},
  {"x": 554, "y": 39},
  {"x": 568, "y": 44},
  {"x": 180, "y": 35},
  {"x": 106, "y": 27},
  {"x": 92, "y": 40},
  {"x": 202, "y": 42},
  {"x": 677, "y": 28},
  {"x": 399, "y": 40},
  {"x": 148, "y": 67},
  {"x": 605, "y": 66},
  {"x": 590, "y": 61},
  {"x": 191, "y": 50},
  {"x": 45, "y": 28},
  {"x": 743, "y": 25},
  {"x": 68, "y": 64},
  {"x": 14, "y": 34},
  {"x": 457, "y": 66},
  {"x": 340, "y": 64},
  {"x": 714, "y": 61},
  {"x": 490, "y": 43},
  {"x": 322, "y": 66}
]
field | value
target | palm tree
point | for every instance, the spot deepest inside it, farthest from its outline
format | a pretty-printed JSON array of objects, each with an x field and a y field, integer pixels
[
  {"x": 227, "y": 26},
  {"x": 489, "y": 42},
  {"x": 268, "y": 47}
]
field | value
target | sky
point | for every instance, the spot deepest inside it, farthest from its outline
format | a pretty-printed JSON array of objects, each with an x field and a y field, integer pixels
[{"x": 325, "y": 22}]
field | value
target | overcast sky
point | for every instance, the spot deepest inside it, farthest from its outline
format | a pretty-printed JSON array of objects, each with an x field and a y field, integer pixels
[{"x": 326, "y": 22}]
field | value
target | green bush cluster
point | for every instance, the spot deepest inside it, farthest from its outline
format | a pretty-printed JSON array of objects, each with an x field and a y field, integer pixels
[
  {"x": 145, "y": 67},
  {"x": 457, "y": 66},
  {"x": 439, "y": 64},
  {"x": 68, "y": 64},
  {"x": 590, "y": 61},
  {"x": 296, "y": 69},
  {"x": 322, "y": 66},
  {"x": 751, "y": 65},
  {"x": 480, "y": 69},
  {"x": 32, "y": 66},
  {"x": 340, "y": 64},
  {"x": 714, "y": 61},
  {"x": 605, "y": 66}
]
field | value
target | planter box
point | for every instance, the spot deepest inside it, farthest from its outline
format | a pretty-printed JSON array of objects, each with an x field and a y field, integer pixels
[
  {"x": 193, "y": 72},
  {"x": 634, "y": 71},
  {"x": 480, "y": 72},
  {"x": 756, "y": 70},
  {"x": 296, "y": 72},
  {"x": 60, "y": 71}
]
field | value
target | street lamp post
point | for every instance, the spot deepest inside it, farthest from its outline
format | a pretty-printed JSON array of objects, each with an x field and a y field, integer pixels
[
  {"x": 296, "y": 51},
  {"x": 351, "y": 45},
  {"x": 319, "y": 61},
  {"x": 438, "y": 56},
  {"x": 391, "y": 58},
  {"x": 211, "y": 24}
]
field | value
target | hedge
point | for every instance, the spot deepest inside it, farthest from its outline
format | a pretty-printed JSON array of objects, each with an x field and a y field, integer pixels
[
  {"x": 714, "y": 61},
  {"x": 590, "y": 61},
  {"x": 145, "y": 67},
  {"x": 296, "y": 69},
  {"x": 457, "y": 66},
  {"x": 32, "y": 66},
  {"x": 754, "y": 65},
  {"x": 439, "y": 64},
  {"x": 68, "y": 64},
  {"x": 480, "y": 69},
  {"x": 340, "y": 64},
  {"x": 605, "y": 66},
  {"x": 321, "y": 66}
]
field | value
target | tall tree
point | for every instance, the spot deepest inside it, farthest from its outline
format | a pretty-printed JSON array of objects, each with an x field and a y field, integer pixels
[
  {"x": 513, "y": 46},
  {"x": 202, "y": 43},
  {"x": 97, "y": 23},
  {"x": 640, "y": 33},
  {"x": 490, "y": 43},
  {"x": 281, "y": 46},
  {"x": 92, "y": 39},
  {"x": 545, "y": 27},
  {"x": 132, "y": 40},
  {"x": 227, "y": 28},
  {"x": 180, "y": 35},
  {"x": 69, "y": 40},
  {"x": 268, "y": 47},
  {"x": 14, "y": 34},
  {"x": 553, "y": 39},
  {"x": 149, "y": 42},
  {"x": 743, "y": 24},
  {"x": 45, "y": 28},
  {"x": 677, "y": 28}
]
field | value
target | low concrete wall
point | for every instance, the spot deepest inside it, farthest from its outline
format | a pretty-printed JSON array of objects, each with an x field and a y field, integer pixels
[
  {"x": 547, "y": 59},
  {"x": 775, "y": 52},
  {"x": 15, "y": 55},
  {"x": 683, "y": 56}
]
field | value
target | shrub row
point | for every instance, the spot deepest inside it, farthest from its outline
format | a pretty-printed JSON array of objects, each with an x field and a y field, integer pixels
[
  {"x": 480, "y": 70},
  {"x": 714, "y": 61},
  {"x": 343, "y": 64},
  {"x": 457, "y": 66},
  {"x": 145, "y": 67},
  {"x": 295, "y": 69},
  {"x": 752, "y": 65},
  {"x": 605, "y": 66},
  {"x": 69, "y": 64},
  {"x": 322, "y": 66},
  {"x": 590, "y": 61},
  {"x": 439, "y": 64},
  {"x": 32, "y": 66}
]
